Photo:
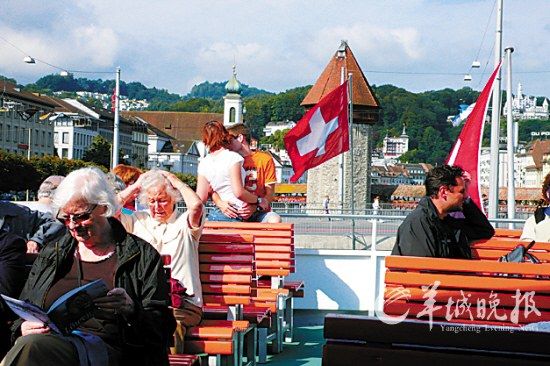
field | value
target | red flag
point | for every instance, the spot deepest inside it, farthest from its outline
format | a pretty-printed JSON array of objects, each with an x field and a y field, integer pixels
[
  {"x": 321, "y": 134},
  {"x": 466, "y": 149}
]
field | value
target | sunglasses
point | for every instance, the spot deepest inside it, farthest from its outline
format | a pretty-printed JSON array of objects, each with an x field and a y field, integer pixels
[{"x": 78, "y": 218}]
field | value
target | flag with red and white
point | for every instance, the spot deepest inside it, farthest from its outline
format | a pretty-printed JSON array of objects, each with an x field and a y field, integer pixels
[
  {"x": 321, "y": 134},
  {"x": 466, "y": 150}
]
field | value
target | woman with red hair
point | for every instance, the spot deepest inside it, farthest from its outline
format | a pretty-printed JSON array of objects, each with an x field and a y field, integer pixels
[
  {"x": 129, "y": 175},
  {"x": 222, "y": 171}
]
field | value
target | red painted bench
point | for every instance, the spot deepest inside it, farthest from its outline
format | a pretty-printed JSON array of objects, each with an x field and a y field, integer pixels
[
  {"x": 478, "y": 283},
  {"x": 274, "y": 260}
]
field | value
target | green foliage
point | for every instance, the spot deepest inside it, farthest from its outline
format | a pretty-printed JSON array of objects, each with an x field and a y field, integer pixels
[
  {"x": 276, "y": 139},
  {"x": 17, "y": 173},
  {"x": 188, "y": 179},
  {"x": 20, "y": 174},
  {"x": 208, "y": 90},
  {"x": 5, "y": 78},
  {"x": 133, "y": 90},
  {"x": 99, "y": 152}
]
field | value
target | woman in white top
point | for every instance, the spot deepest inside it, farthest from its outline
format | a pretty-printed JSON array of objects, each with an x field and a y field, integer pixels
[
  {"x": 222, "y": 171},
  {"x": 537, "y": 227}
]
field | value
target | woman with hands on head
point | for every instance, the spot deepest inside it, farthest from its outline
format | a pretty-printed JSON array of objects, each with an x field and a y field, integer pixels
[
  {"x": 171, "y": 232},
  {"x": 132, "y": 323}
]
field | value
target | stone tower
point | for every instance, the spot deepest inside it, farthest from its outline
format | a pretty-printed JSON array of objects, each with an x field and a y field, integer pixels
[
  {"x": 233, "y": 102},
  {"x": 327, "y": 178}
]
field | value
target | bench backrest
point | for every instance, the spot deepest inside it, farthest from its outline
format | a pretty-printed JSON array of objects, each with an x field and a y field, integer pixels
[
  {"x": 480, "y": 291},
  {"x": 494, "y": 248},
  {"x": 507, "y": 233},
  {"x": 273, "y": 244},
  {"x": 226, "y": 265}
]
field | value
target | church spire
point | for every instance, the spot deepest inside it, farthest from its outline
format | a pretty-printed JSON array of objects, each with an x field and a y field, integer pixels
[{"x": 233, "y": 85}]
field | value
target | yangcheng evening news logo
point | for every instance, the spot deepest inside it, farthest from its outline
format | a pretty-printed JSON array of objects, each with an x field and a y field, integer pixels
[{"x": 462, "y": 308}]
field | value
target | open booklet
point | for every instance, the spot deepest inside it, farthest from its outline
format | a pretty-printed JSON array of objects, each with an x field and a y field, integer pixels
[{"x": 67, "y": 312}]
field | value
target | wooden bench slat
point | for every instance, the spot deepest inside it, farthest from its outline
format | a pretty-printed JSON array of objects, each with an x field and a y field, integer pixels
[
  {"x": 225, "y": 268},
  {"x": 225, "y": 258},
  {"x": 505, "y": 298},
  {"x": 226, "y": 248},
  {"x": 210, "y": 347},
  {"x": 463, "y": 265},
  {"x": 475, "y": 282},
  {"x": 248, "y": 225},
  {"x": 226, "y": 289},
  {"x": 225, "y": 278}
]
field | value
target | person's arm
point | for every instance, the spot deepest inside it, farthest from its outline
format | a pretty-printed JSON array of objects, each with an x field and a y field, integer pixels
[
  {"x": 45, "y": 228},
  {"x": 193, "y": 202},
  {"x": 268, "y": 198},
  {"x": 237, "y": 185},
  {"x": 475, "y": 224},
  {"x": 225, "y": 206},
  {"x": 203, "y": 188}
]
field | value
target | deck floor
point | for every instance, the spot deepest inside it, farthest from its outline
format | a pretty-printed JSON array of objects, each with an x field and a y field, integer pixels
[{"x": 307, "y": 345}]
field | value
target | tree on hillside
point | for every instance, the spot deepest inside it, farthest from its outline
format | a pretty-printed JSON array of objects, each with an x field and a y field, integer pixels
[
  {"x": 99, "y": 152},
  {"x": 276, "y": 139}
]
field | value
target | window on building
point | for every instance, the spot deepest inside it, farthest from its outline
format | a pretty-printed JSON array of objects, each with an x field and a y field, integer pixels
[
  {"x": 49, "y": 142},
  {"x": 43, "y": 138},
  {"x": 232, "y": 115},
  {"x": 65, "y": 153},
  {"x": 65, "y": 138},
  {"x": 15, "y": 133}
]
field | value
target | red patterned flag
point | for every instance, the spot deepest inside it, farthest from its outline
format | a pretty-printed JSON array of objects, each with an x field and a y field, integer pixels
[
  {"x": 321, "y": 134},
  {"x": 466, "y": 150}
]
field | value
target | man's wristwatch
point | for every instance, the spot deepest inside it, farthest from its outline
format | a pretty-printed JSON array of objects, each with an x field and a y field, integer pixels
[{"x": 258, "y": 202}]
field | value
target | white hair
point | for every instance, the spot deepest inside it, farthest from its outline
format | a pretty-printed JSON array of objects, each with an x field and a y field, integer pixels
[
  {"x": 153, "y": 178},
  {"x": 89, "y": 184}
]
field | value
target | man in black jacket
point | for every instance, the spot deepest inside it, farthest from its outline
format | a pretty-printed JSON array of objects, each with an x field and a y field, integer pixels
[{"x": 429, "y": 231}]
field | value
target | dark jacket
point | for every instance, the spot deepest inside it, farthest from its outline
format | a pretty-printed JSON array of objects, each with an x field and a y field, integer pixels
[
  {"x": 37, "y": 226},
  {"x": 145, "y": 336},
  {"x": 12, "y": 278},
  {"x": 424, "y": 234}
]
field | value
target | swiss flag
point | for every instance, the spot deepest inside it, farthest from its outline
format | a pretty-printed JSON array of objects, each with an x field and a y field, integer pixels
[{"x": 321, "y": 134}]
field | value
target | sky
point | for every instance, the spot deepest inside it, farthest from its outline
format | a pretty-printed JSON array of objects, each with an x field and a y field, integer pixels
[{"x": 276, "y": 45}]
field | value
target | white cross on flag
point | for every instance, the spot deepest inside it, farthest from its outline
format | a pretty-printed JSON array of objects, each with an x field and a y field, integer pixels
[{"x": 321, "y": 134}]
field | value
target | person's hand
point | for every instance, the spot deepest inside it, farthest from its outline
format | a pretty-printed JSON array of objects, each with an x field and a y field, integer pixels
[
  {"x": 247, "y": 210},
  {"x": 28, "y": 327},
  {"x": 171, "y": 177},
  {"x": 117, "y": 301},
  {"x": 264, "y": 204},
  {"x": 32, "y": 247},
  {"x": 228, "y": 209}
]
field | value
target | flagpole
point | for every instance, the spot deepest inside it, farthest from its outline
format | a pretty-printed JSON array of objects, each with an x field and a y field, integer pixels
[
  {"x": 510, "y": 143},
  {"x": 341, "y": 156},
  {"x": 352, "y": 190},
  {"x": 495, "y": 122}
]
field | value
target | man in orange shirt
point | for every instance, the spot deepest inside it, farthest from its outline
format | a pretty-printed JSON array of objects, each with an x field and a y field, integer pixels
[{"x": 259, "y": 179}]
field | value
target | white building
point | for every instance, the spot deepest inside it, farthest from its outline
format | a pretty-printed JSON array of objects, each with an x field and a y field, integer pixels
[
  {"x": 271, "y": 127},
  {"x": 163, "y": 155},
  {"x": 394, "y": 147},
  {"x": 528, "y": 107},
  {"x": 22, "y": 121},
  {"x": 233, "y": 102}
]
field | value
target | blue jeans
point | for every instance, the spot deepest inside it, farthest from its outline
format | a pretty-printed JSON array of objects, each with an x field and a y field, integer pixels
[{"x": 216, "y": 215}]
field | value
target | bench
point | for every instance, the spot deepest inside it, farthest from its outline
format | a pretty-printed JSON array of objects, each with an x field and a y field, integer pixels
[
  {"x": 363, "y": 340},
  {"x": 184, "y": 360},
  {"x": 466, "y": 290},
  {"x": 493, "y": 248},
  {"x": 274, "y": 260},
  {"x": 507, "y": 233},
  {"x": 230, "y": 285}
]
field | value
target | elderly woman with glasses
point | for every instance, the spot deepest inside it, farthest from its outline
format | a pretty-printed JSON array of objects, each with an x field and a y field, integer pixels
[
  {"x": 132, "y": 323},
  {"x": 171, "y": 232}
]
